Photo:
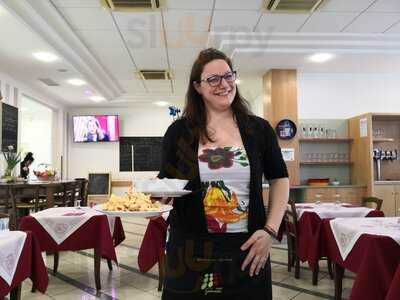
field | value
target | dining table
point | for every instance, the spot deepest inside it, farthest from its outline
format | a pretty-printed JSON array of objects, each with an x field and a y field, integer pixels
[
  {"x": 73, "y": 229},
  {"x": 370, "y": 248},
  {"x": 311, "y": 240},
  {"x": 20, "y": 258}
]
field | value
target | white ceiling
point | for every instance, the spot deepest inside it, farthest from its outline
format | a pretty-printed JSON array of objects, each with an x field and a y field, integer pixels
[{"x": 110, "y": 47}]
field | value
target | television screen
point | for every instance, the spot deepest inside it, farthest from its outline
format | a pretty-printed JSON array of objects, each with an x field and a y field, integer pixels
[{"x": 99, "y": 128}]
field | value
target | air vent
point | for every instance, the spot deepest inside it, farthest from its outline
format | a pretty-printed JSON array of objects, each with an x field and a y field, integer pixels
[
  {"x": 155, "y": 74},
  {"x": 48, "y": 81},
  {"x": 132, "y": 5},
  {"x": 292, "y": 5}
]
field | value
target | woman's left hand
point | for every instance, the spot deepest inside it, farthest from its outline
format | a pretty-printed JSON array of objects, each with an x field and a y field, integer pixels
[{"x": 260, "y": 244}]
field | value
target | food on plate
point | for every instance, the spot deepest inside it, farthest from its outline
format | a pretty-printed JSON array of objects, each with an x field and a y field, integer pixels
[{"x": 132, "y": 201}]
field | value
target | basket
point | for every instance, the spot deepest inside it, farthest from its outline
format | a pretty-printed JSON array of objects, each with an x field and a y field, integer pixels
[{"x": 45, "y": 172}]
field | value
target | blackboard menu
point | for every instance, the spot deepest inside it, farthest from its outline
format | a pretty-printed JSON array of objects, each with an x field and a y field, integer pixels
[
  {"x": 146, "y": 153},
  {"x": 99, "y": 184},
  {"x": 9, "y": 127}
]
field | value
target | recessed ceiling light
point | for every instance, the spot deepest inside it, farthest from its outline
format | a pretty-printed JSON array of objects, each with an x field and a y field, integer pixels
[
  {"x": 321, "y": 57},
  {"x": 161, "y": 103},
  {"x": 97, "y": 98},
  {"x": 45, "y": 56},
  {"x": 76, "y": 81}
]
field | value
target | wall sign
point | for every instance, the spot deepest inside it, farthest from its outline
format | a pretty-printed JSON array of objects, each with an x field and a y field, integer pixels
[{"x": 286, "y": 129}]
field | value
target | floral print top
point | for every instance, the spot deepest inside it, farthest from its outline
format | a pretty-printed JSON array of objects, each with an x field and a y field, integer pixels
[{"x": 225, "y": 173}]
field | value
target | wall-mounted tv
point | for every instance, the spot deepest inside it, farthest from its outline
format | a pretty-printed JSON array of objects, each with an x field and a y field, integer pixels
[{"x": 96, "y": 128}]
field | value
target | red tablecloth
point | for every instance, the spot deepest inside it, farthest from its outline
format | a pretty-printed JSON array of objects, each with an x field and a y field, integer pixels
[
  {"x": 30, "y": 265},
  {"x": 374, "y": 259},
  {"x": 311, "y": 237},
  {"x": 94, "y": 234},
  {"x": 153, "y": 244}
]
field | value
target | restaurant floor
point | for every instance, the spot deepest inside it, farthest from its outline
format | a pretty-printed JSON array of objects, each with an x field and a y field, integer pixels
[{"x": 75, "y": 279}]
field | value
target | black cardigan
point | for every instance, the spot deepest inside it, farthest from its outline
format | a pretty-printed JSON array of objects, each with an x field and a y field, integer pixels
[{"x": 180, "y": 160}]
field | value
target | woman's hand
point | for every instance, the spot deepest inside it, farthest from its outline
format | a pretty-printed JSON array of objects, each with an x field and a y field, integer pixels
[{"x": 260, "y": 244}]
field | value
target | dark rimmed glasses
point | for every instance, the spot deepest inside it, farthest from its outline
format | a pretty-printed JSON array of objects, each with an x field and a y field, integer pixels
[{"x": 216, "y": 80}]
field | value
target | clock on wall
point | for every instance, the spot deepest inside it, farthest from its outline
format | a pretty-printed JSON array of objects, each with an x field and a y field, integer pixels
[{"x": 286, "y": 129}]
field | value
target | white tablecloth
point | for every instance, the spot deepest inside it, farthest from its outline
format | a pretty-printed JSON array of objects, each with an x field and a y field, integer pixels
[
  {"x": 331, "y": 210},
  {"x": 347, "y": 231},
  {"x": 11, "y": 245},
  {"x": 61, "y": 222}
]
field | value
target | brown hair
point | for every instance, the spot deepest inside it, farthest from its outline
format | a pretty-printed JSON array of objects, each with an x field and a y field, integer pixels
[{"x": 195, "y": 111}]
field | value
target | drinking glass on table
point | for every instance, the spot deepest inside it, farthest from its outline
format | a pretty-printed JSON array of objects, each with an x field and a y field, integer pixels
[
  {"x": 77, "y": 204},
  {"x": 337, "y": 199},
  {"x": 318, "y": 199}
]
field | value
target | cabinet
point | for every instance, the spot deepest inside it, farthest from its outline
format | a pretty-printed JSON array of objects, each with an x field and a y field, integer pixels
[
  {"x": 352, "y": 195},
  {"x": 390, "y": 194}
]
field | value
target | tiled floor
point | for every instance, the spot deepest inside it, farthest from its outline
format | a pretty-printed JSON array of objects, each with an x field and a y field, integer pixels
[{"x": 75, "y": 278}]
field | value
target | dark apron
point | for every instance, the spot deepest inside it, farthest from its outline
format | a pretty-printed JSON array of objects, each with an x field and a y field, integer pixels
[{"x": 210, "y": 268}]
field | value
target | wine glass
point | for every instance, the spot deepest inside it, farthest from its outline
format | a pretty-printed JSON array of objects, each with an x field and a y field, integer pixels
[
  {"x": 337, "y": 199},
  {"x": 318, "y": 199},
  {"x": 77, "y": 204}
]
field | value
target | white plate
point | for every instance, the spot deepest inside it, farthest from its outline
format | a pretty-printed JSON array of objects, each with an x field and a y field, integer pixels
[
  {"x": 135, "y": 214},
  {"x": 163, "y": 194},
  {"x": 159, "y": 185}
]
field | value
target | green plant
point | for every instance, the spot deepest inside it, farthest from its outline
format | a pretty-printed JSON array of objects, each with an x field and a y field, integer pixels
[{"x": 12, "y": 158}]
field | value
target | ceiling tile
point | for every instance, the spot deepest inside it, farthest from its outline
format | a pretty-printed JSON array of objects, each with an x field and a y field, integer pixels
[
  {"x": 281, "y": 22},
  {"x": 330, "y": 22},
  {"x": 138, "y": 21},
  {"x": 88, "y": 18},
  {"x": 186, "y": 20},
  {"x": 239, "y": 4},
  {"x": 100, "y": 38},
  {"x": 132, "y": 86},
  {"x": 150, "y": 58},
  {"x": 373, "y": 22},
  {"x": 187, "y": 39},
  {"x": 389, "y": 6},
  {"x": 234, "y": 21},
  {"x": 116, "y": 60},
  {"x": 158, "y": 85},
  {"x": 77, "y": 3},
  {"x": 394, "y": 29},
  {"x": 190, "y": 4},
  {"x": 183, "y": 58},
  {"x": 143, "y": 39},
  {"x": 345, "y": 5}
]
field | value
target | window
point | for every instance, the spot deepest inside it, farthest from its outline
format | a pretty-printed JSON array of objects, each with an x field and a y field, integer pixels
[{"x": 36, "y": 124}]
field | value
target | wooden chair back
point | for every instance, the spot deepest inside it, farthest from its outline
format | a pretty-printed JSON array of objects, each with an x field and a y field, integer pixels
[{"x": 366, "y": 201}]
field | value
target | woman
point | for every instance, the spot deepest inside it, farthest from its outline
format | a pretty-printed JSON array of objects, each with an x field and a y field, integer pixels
[
  {"x": 220, "y": 236},
  {"x": 25, "y": 164},
  {"x": 94, "y": 132}
]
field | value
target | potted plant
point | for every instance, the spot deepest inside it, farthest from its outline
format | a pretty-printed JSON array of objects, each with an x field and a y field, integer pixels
[{"x": 12, "y": 159}]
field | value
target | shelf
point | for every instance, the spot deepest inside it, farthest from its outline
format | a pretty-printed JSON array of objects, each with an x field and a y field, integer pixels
[
  {"x": 326, "y": 163},
  {"x": 321, "y": 140},
  {"x": 377, "y": 140}
]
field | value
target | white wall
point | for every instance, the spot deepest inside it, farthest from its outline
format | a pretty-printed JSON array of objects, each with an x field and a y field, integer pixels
[
  {"x": 341, "y": 96},
  {"x": 18, "y": 88},
  {"x": 135, "y": 120}
]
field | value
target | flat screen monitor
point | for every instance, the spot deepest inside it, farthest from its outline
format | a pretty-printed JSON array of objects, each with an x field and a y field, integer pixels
[{"x": 96, "y": 128}]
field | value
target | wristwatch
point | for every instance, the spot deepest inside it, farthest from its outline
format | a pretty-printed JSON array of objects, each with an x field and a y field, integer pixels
[{"x": 270, "y": 231}]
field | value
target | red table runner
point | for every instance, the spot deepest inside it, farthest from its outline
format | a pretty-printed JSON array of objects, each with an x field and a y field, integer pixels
[
  {"x": 30, "y": 265},
  {"x": 311, "y": 237},
  {"x": 94, "y": 234},
  {"x": 375, "y": 259}
]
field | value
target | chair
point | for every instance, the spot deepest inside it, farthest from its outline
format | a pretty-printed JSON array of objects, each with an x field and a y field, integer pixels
[
  {"x": 291, "y": 224},
  {"x": 24, "y": 199},
  {"x": 81, "y": 190},
  {"x": 292, "y": 231},
  {"x": 65, "y": 194},
  {"x": 366, "y": 201}
]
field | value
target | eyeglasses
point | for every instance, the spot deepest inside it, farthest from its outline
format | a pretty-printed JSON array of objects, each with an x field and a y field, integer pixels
[{"x": 215, "y": 80}]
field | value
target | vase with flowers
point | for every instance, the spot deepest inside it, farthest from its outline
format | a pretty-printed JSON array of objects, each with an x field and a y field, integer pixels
[{"x": 12, "y": 158}]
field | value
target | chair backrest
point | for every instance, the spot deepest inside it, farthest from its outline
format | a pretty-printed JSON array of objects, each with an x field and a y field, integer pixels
[
  {"x": 291, "y": 219},
  {"x": 69, "y": 193},
  {"x": 82, "y": 190},
  {"x": 366, "y": 201}
]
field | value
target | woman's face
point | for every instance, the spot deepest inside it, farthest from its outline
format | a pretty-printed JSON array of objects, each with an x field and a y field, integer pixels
[
  {"x": 218, "y": 97},
  {"x": 92, "y": 127}
]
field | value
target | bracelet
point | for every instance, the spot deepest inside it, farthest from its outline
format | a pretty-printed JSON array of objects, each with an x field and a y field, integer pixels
[{"x": 270, "y": 231}]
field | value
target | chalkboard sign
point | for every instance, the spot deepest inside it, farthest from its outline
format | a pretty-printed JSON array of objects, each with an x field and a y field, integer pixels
[
  {"x": 9, "y": 127},
  {"x": 146, "y": 153},
  {"x": 99, "y": 184}
]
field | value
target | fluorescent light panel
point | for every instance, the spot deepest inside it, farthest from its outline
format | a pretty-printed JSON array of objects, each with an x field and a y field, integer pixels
[
  {"x": 321, "y": 57},
  {"x": 45, "y": 56},
  {"x": 76, "y": 81},
  {"x": 97, "y": 98}
]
